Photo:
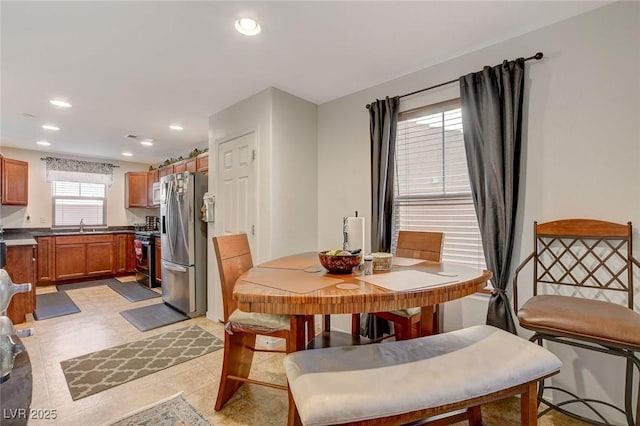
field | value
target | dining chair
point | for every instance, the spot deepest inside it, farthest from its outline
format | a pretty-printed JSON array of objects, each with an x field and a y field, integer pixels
[
  {"x": 233, "y": 255},
  {"x": 583, "y": 293},
  {"x": 406, "y": 322}
]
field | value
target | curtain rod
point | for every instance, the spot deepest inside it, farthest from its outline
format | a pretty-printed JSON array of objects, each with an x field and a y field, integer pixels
[
  {"x": 537, "y": 57},
  {"x": 86, "y": 161}
]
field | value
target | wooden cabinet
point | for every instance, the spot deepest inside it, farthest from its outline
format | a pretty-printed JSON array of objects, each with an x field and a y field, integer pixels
[
  {"x": 21, "y": 268},
  {"x": 15, "y": 182},
  {"x": 45, "y": 266},
  {"x": 158, "y": 255},
  {"x": 190, "y": 164},
  {"x": 164, "y": 171},
  {"x": 124, "y": 260},
  {"x": 179, "y": 167},
  {"x": 136, "y": 189},
  {"x": 202, "y": 162},
  {"x": 80, "y": 256}
]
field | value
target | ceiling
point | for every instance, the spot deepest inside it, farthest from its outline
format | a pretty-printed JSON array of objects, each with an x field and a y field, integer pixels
[{"x": 136, "y": 67}]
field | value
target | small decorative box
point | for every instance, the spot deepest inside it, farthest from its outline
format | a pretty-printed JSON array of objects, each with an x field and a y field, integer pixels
[{"x": 381, "y": 261}]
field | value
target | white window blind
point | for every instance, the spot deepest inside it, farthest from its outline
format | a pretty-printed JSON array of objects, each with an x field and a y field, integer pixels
[
  {"x": 76, "y": 201},
  {"x": 432, "y": 189}
]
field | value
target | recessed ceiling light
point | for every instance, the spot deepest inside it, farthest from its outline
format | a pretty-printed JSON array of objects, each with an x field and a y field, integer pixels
[
  {"x": 175, "y": 127},
  {"x": 127, "y": 154},
  {"x": 50, "y": 127},
  {"x": 43, "y": 143},
  {"x": 60, "y": 103},
  {"x": 248, "y": 26},
  {"x": 146, "y": 142}
]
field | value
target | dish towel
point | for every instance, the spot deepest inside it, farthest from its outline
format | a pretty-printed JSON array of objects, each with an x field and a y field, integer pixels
[{"x": 137, "y": 248}]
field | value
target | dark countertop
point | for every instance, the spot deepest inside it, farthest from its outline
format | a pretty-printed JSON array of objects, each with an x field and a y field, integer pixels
[{"x": 27, "y": 233}]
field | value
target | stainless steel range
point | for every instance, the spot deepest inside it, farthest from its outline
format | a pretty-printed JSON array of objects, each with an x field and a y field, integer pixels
[{"x": 144, "y": 246}]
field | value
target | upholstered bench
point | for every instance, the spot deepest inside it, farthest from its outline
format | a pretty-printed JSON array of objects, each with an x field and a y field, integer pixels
[{"x": 398, "y": 382}]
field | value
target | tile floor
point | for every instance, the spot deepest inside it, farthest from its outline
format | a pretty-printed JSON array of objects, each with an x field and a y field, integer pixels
[{"x": 99, "y": 326}]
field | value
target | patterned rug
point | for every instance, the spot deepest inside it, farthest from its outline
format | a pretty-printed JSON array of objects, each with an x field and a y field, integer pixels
[
  {"x": 174, "y": 411},
  {"x": 98, "y": 371}
]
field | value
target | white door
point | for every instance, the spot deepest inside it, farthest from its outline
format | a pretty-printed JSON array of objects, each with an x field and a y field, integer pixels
[{"x": 238, "y": 200}]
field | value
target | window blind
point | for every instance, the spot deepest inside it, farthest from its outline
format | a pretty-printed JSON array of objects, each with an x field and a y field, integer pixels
[
  {"x": 76, "y": 201},
  {"x": 432, "y": 188}
]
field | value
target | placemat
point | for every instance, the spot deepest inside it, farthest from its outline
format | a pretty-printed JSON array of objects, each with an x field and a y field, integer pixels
[
  {"x": 299, "y": 262},
  {"x": 405, "y": 261},
  {"x": 293, "y": 281},
  {"x": 406, "y": 280}
]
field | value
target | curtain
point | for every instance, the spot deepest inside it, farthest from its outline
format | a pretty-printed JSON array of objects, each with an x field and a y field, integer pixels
[
  {"x": 383, "y": 115},
  {"x": 492, "y": 120},
  {"x": 64, "y": 169}
]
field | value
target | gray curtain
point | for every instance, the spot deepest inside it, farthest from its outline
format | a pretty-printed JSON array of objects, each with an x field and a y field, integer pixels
[
  {"x": 383, "y": 116},
  {"x": 383, "y": 124},
  {"x": 492, "y": 119}
]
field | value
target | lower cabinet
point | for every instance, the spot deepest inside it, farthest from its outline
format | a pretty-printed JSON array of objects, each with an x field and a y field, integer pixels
[
  {"x": 124, "y": 256},
  {"x": 79, "y": 256},
  {"x": 45, "y": 267},
  {"x": 158, "y": 261},
  {"x": 21, "y": 268}
]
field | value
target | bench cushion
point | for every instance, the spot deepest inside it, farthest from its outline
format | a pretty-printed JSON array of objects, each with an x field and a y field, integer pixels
[{"x": 346, "y": 384}]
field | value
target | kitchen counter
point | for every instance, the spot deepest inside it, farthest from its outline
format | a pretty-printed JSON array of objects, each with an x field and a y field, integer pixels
[
  {"x": 30, "y": 233},
  {"x": 28, "y": 241}
]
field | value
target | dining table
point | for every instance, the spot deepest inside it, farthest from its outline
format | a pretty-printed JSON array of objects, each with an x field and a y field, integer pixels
[{"x": 297, "y": 285}]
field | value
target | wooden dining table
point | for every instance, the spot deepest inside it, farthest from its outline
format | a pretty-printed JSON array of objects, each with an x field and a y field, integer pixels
[{"x": 298, "y": 286}]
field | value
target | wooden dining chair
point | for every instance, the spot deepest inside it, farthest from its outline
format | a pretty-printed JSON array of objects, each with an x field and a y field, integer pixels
[
  {"x": 233, "y": 255},
  {"x": 406, "y": 322}
]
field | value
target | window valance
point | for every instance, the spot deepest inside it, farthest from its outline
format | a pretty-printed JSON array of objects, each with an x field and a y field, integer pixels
[{"x": 64, "y": 169}]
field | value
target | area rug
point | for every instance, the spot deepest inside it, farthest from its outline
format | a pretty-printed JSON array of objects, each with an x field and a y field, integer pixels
[
  {"x": 84, "y": 284},
  {"x": 132, "y": 291},
  {"x": 51, "y": 305},
  {"x": 170, "y": 412},
  {"x": 148, "y": 317},
  {"x": 92, "y": 373}
]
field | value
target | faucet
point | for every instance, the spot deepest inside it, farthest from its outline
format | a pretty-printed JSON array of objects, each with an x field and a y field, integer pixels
[{"x": 82, "y": 225}]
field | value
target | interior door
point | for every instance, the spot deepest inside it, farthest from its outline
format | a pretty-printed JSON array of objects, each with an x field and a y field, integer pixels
[{"x": 238, "y": 201}]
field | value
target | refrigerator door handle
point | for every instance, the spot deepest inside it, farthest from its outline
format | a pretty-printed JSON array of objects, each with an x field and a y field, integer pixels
[{"x": 174, "y": 268}]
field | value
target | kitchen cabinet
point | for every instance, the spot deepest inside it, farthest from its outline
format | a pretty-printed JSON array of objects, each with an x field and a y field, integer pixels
[
  {"x": 21, "y": 268},
  {"x": 124, "y": 257},
  {"x": 158, "y": 260},
  {"x": 45, "y": 267},
  {"x": 202, "y": 162},
  {"x": 190, "y": 164},
  {"x": 165, "y": 170},
  {"x": 15, "y": 182},
  {"x": 179, "y": 167},
  {"x": 136, "y": 189},
  {"x": 81, "y": 256}
]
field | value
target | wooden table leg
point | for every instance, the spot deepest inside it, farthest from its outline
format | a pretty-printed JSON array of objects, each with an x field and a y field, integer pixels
[
  {"x": 297, "y": 338},
  {"x": 426, "y": 321}
]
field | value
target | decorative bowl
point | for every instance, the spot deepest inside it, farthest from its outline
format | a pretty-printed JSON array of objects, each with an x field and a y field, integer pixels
[{"x": 339, "y": 263}]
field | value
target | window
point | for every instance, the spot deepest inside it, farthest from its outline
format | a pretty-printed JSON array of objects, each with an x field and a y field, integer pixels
[
  {"x": 75, "y": 201},
  {"x": 432, "y": 189}
]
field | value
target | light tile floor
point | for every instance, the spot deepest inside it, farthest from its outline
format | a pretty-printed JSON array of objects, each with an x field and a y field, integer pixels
[{"x": 99, "y": 326}]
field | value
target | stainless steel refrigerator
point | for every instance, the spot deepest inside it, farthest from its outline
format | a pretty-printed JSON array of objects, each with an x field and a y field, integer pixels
[{"x": 183, "y": 242}]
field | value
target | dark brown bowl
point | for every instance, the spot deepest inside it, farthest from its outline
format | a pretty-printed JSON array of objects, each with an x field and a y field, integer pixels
[{"x": 339, "y": 264}]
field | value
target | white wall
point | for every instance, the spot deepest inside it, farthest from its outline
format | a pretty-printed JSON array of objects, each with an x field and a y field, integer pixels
[
  {"x": 581, "y": 145},
  {"x": 285, "y": 128},
  {"x": 38, "y": 212}
]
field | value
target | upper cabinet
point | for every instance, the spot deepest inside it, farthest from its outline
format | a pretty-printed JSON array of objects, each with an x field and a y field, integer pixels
[
  {"x": 179, "y": 167},
  {"x": 164, "y": 171},
  {"x": 202, "y": 162},
  {"x": 15, "y": 182},
  {"x": 136, "y": 191}
]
